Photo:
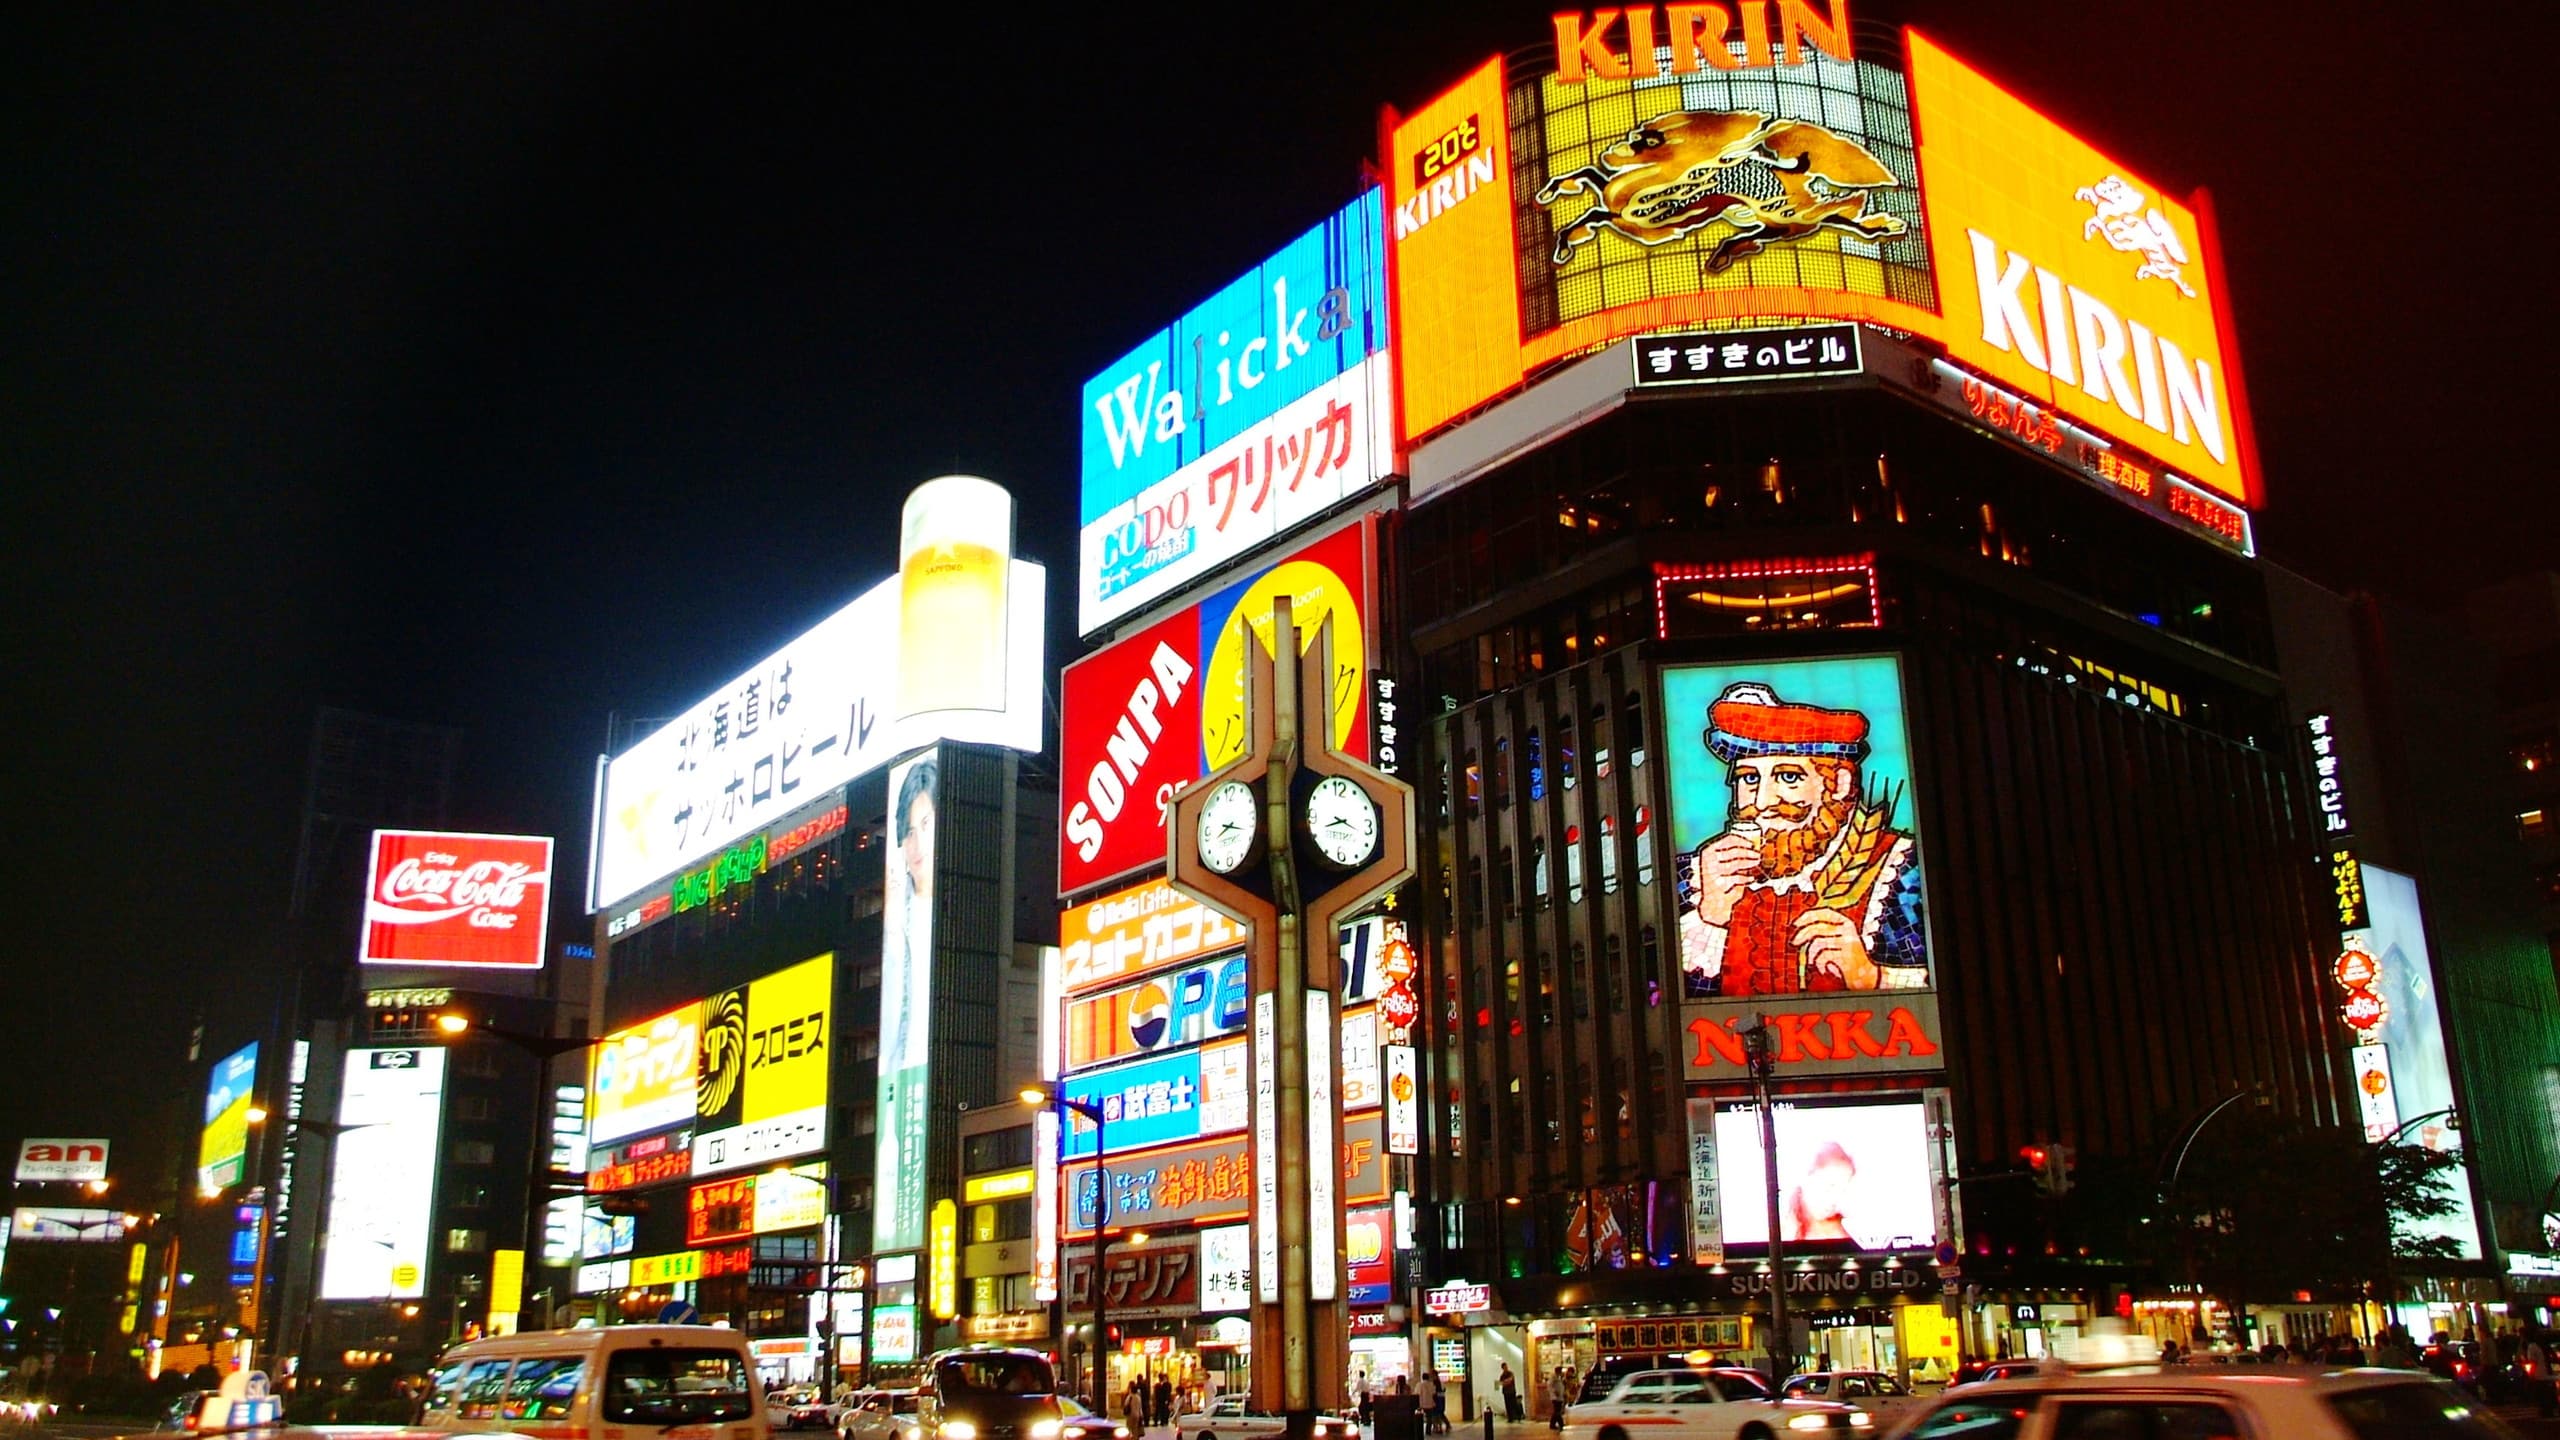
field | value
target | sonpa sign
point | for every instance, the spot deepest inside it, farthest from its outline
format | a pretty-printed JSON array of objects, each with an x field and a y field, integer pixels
[
  {"x": 62, "y": 1160},
  {"x": 1144, "y": 718}
]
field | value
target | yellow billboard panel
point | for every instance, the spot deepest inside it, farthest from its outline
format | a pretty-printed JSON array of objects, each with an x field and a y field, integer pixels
[
  {"x": 1449, "y": 204},
  {"x": 786, "y": 1043},
  {"x": 642, "y": 1078},
  {"x": 2076, "y": 281}
]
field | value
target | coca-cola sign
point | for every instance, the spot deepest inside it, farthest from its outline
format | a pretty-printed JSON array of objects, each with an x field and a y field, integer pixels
[{"x": 436, "y": 898}]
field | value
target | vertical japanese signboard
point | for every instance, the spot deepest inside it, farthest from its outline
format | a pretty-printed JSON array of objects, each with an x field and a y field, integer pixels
[
  {"x": 906, "y": 999},
  {"x": 1254, "y": 413}
]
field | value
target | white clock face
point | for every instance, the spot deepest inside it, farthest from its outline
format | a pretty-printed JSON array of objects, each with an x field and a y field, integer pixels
[
  {"x": 1228, "y": 819},
  {"x": 1342, "y": 821}
]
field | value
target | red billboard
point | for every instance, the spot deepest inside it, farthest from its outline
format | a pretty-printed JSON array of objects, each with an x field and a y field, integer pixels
[
  {"x": 1146, "y": 716},
  {"x": 437, "y": 898}
]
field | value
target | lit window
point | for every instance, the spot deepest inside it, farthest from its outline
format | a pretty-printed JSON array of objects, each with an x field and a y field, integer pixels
[{"x": 2534, "y": 824}]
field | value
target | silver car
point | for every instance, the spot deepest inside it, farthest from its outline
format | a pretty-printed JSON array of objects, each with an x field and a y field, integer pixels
[{"x": 2169, "y": 1402}]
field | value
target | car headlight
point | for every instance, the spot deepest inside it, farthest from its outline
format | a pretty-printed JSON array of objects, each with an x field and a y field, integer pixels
[
  {"x": 958, "y": 1430},
  {"x": 1119, "y": 1432},
  {"x": 1861, "y": 1417},
  {"x": 1816, "y": 1421},
  {"x": 1045, "y": 1430}
]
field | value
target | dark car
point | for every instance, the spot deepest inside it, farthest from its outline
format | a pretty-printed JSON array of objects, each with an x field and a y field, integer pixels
[{"x": 986, "y": 1393}]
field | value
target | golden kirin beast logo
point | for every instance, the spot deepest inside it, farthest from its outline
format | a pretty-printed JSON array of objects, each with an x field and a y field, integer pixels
[
  {"x": 1771, "y": 180},
  {"x": 724, "y": 1051}
]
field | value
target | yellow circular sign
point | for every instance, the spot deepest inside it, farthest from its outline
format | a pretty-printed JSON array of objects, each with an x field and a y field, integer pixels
[
  {"x": 1314, "y": 592},
  {"x": 404, "y": 1277}
]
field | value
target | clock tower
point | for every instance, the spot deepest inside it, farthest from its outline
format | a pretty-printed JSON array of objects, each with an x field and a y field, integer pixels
[{"x": 1289, "y": 839}]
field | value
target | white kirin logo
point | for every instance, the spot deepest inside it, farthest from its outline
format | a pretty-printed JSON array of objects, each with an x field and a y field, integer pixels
[
  {"x": 2136, "y": 227},
  {"x": 421, "y": 891}
]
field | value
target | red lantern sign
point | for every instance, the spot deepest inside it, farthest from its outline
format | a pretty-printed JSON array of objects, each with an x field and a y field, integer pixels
[
  {"x": 2356, "y": 970},
  {"x": 1399, "y": 1007}
]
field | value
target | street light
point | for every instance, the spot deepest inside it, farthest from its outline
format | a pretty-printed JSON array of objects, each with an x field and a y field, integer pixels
[
  {"x": 1038, "y": 1098},
  {"x": 543, "y": 1184}
]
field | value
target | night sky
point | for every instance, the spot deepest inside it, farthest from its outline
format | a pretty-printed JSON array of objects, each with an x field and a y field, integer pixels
[{"x": 507, "y": 367}]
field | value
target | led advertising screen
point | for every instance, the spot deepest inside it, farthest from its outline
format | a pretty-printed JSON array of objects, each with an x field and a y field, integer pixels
[
  {"x": 383, "y": 1177},
  {"x": 436, "y": 898},
  {"x": 2411, "y": 1035},
  {"x": 1161, "y": 1101},
  {"x": 813, "y": 715},
  {"x": 53, "y": 1159},
  {"x": 906, "y": 1000},
  {"x": 1145, "y": 717},
  {"x": 1850, "y": 1176},
  {"x": 2074, "y": 280},
  {"x": 1798, "y": 863},
  {"x": 1183, "y": 1007},
  {"x": 1129, "y": 932},
  {"x": 1449, "y": 191},
  {"x": 1247, "y": 417},
  {"x": 760, "y": 1091},
  {"x": 1209, "y": 1179},
  {"x": 643, "y": 1078},
  {"x": 223, "y": 1155}
]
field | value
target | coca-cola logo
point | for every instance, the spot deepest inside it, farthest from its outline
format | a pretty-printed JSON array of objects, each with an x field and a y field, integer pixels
[{"x": 437, "y": 886}]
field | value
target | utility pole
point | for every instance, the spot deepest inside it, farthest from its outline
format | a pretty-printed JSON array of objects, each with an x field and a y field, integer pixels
[{"x": 1760, "y": 1045}]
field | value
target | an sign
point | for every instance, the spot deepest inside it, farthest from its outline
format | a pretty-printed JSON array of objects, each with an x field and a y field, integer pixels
[
  {"x": 1226, "y": 1269},
  {"x": 737, "y": 865},
  {"x": 383, "y": 1177},
  {"x": 906, "y": 999},
  {"x": 979, "y": 1188},
  {"x": 653, "y": 1161},
  {"x": 1800, "y": 891},
  {"x": 2346, "y": 887},
  {"x": 758, "y": 1204},
  {"x": 603, "y": 1275},
  {"x": 1145, "y": 717},
  {"x": 2326, "y": 784},
  {"x": 643, "y": 1078},
  {"x": 1007, "y": 1327},
  {"x": 819, "y": 712},
  {"x": 1458, "y": 1297},
  {"x": 760, "y": 1088},
  {"x": 1404, "y": 1100},
  {"x": 222, "y": 1156},
  {"x": 51, "y": 1159},
  {"x": 1730, "y": 356},
  {"x": 1254, "y": 413},
  {"x": 438, "y": 898},
  {"x": 1159, "y": 1280},
  {"x": 1210, "y": 1180},
  {"x": 2074, "y": 280}
]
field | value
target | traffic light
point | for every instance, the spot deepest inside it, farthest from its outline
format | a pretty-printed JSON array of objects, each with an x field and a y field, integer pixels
[{"x": 2050, "y": 1166}]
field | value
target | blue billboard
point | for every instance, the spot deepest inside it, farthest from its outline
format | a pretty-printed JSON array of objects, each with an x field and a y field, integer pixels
[{"x": 1162, "y": 1101}]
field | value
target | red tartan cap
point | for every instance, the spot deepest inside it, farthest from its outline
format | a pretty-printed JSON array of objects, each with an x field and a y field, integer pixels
[{"x": 1750, "y": 720}]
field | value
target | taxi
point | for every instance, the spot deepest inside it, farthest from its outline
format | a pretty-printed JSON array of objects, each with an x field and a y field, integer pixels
[
  {"x": 2293, "y": 1402},
  {"x": 1690, "y": 1404}
]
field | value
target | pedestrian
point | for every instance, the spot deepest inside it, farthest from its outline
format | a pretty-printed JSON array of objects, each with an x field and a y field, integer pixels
[
  {"x": 1562, "y": 1396},
  {"x": 1427, "y": 1400},
  {"x": 1135, "y": 1407},
  {"x": 1364, "y": 1394},
  {"x": 2535, "y": 1357},
  {"x": 1511, "y": 1410},
  {"x": 1164, "y": 1402}
]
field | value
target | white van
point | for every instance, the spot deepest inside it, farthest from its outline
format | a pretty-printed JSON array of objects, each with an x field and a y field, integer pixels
[{"x": 613, "y": 1382}]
